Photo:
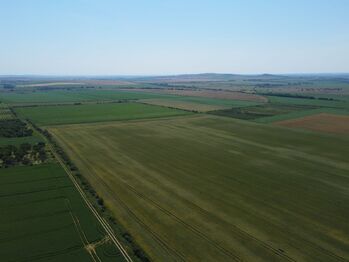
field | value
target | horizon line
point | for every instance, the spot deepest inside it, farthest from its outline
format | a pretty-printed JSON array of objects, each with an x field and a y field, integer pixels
[{"x": 174, "y": 74}]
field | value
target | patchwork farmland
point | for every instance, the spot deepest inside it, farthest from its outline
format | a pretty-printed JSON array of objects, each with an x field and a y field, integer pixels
[
  {"x": 174, "y": 172},
  {"x": 106, "y": 157}
]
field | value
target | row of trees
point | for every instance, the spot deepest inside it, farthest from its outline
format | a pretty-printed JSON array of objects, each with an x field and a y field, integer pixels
[
  {"x": 297, "y": 96},
  {"x": 24, "y": 154}
]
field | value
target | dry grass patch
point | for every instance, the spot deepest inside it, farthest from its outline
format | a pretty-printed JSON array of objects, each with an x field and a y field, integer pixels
[{"x": 323, "y": 122}]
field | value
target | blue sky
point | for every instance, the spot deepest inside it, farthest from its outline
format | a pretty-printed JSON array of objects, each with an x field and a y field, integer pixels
[{"x": 114, "y": 37}]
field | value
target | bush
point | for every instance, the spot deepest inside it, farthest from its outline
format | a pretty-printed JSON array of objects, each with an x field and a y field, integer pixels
[
  {"x": 24, "y": 154},
  {"x": 14, "y": 128},
  {"x": 100, "y": 201}
]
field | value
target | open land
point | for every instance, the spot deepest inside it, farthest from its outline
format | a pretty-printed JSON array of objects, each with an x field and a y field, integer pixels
[
  {"x": 199, "y": 104},
  {"x": 209, "y": 188},
  {"x": 338, "y": 124},
  {"x": 182, "y": 186},
  {"x": 209, "y": 94},
  {"x": 191, "y": 106},
  {"x": 70, "y": 96},
  {"x": 55, "y": 115}
]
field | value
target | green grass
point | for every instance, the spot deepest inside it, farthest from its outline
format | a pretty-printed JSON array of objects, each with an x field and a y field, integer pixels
[
  {"x": 69, "y": 114},
  {"x": 37, "y": 205},
  {"x": 207, "y": 188}
]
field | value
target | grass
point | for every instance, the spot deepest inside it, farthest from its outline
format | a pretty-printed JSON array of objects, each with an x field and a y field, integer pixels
[
  {"x": 207, "y": 188},
  {"x": 69, "y": 114},
  {"x": 44, "y": 218}
]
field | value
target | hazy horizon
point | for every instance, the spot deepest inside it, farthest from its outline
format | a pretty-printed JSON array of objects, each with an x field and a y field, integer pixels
[
  {"x": 170, "y": 75},
  {"x": 152, "y": 38}
]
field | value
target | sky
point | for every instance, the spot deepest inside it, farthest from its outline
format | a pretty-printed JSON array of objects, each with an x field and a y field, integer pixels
[{"x": 159, "y": 37}]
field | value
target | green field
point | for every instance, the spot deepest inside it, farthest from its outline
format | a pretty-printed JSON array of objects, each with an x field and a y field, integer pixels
[
  {"x": 207, "y": 188},
  {"x": 91, "y": 96},
  {"x": 60, "y": 96},
  {"x": 199, "y": 104},
  {"x": 69, "y": 114},
  {"x": 46, "y": 219},
  {"x": 184, "y": 105},
  {"x": 283, "y": 109}
]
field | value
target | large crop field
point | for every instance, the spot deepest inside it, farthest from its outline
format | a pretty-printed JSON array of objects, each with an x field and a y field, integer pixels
[
  {"x": 208, "y": 188},
  {"x": 43, "y": 218},
  {"x": 63, "y": 96},
  {"x": 197, "y": 103},
  {"x": 68, "y": 114},
  {"x": 191, "y": 106}
]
